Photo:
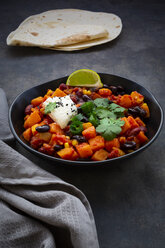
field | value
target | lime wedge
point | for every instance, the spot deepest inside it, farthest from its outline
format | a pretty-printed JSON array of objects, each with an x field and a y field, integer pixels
[{"x": 84, "y": 77}]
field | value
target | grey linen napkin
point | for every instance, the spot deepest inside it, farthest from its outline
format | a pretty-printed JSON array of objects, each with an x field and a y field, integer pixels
[{"x": 37, "y": 209}]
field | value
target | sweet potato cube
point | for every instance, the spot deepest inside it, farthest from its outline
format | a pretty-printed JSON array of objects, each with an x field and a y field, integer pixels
[
  {"x": 97, "y": 143},
  {"x": 146, "y": 108},
  {"x": 126, "y": 126},
  {"x": 37, "y": 101},
  {"x": 105, "y": 92},
  {"x": 126, "y": 101},
  {"x": 94, "y": 95},
  {"x": 100, "y": 155},
  {"x": 142, "y": 137},
  {"x": 89, "y": 133},
  {"x": 75, "y": 155},
  {"x": 44, "y": 136},
  {"x": 27, "y": 134},
  {"x": 112, "y": 143},
  {"x": 55, "y": 128},
  {"x": 33, "y": 128},
  {"x": 116, "y": 152},
  {"x": 34, "y": 118},
  {"x": 86, "y": 125},
  {"x": 137, "y": 98},
  {"x": 140, "y": 122},
  {"x": 66, "y": 153},
  {"x": 58, "y": 93},
  {"x": 84, "y": 150},
  {"x": 132, "y": 122}
]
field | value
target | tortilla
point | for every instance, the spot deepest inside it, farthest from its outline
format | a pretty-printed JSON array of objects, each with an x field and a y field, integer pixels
[{"x": 66, "y": 29}]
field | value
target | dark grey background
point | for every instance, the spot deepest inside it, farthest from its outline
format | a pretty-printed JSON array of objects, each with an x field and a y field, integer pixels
[{"x": 127, "y": 198}]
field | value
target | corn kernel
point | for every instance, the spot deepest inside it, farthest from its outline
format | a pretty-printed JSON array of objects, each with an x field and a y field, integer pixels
[
  {"x": 85, "y": 92},
  {"x": 67, "y": 137},
  {"x": 74, "y": 142},
  {"x": 66, "y": 145},
  {"x": 88, "y": 92}
]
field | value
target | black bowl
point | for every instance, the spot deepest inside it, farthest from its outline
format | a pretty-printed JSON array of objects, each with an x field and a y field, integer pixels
[{"x": 16, "y": 114}]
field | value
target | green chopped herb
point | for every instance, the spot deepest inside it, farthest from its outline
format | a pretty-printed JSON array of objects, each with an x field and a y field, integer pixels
[
  {"x": 87, "y": 108},
  {"x": 116, "y": 109},
  {"x": 109, "y": 128},
  {"x": 101, "y": 102},
  {"x": 93, "y": 119},
  {"x": 49, "y": 107},
  {"x": 104, "y": 113}
]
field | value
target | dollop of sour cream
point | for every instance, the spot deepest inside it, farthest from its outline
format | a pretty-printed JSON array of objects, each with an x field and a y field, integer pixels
[{"x": 64, "y": 110}]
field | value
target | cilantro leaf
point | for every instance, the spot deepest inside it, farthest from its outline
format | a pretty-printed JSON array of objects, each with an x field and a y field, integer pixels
[
  {"x": 104, "y": 113},
  {"x": 78, "y": 117},
  {"x": 93, "y": 119},
  {"x": 50, "y": 107},
  {"x": 87, "y": 108},
  {"x": 109, "y": 128},
  {"x": 101, "y": 102},
  {"x": 116, "y": 109}
]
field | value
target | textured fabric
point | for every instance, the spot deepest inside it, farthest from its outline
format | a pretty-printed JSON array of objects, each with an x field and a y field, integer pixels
[{"x": 37, "y": 208}]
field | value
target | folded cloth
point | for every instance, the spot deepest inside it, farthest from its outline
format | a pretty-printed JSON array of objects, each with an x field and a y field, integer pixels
[{"x": 37, "y": 208}]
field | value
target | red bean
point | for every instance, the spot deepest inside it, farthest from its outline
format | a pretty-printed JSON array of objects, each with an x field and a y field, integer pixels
[
  {"x": 63, "y": 86},
  {"x": 28, "y": 109}
]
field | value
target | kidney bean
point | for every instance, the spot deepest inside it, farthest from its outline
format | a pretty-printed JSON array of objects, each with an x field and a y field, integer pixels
[
  {"x": 28, "y": 109},
  {"x": 79, "y": 93},
  {"x": 137, "y": 111},
  {"x": 93, "y": 89},
  {"x": 74, "y": 98},
  {"x": 58, "y": 147},
  {"x": 63, "y": 86},
  {"x": 120, "y": 88},
  {"x": 113, "y": 89},
  {"x": 43, "y": 128},
  {"x": 136, "y": 130},
  {"x": 79, "y": 138},
  {"x": 105, "y": 86},
  {"x": 86, "y": 98},
  {"x": 128, "y": 145}
]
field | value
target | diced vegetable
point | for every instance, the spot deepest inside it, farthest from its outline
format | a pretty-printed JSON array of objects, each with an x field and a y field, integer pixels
[
  {"x": 112, "y": 143},
  {"x": 84, "y": 150},
  {"x": 27, "y": 134},
  {"x": 37, "y": 101},
  {"x": 58, "y": 93},
  {"x": 97, "y": 143},
  {"x": 89, "y": 132},
  {"x": 100, "y": 155},
  {"x": 34, "y": 118},
  {"x": 66, "y": 153}
]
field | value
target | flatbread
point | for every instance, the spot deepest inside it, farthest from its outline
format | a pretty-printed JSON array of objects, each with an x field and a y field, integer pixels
[{"x": 66, "y": 29}]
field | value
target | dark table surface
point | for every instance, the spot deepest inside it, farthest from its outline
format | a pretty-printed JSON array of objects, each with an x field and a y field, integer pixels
[{"x": 127, "y": 198}]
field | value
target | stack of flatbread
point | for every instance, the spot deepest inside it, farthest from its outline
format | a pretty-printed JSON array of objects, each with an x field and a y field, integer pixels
[{"x": 66, "y": 29}]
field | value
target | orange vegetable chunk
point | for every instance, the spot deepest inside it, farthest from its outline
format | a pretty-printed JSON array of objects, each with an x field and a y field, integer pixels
[
  {"x": 140, "y": 122},
  {"x": 105, "y": 92},
  {"x": 137, "y": 98},
  {"x": 66, "y": 153},
  {"x": 146, "y": 108},
  {"x": 126, "y": 101},
  {"x": 55, "y": 128},
  {"x": 86, "y": 125},
  {"x": 132, "y": 122},
  {"x": 37, "y": 101},
  {"x": 126, "y": 126},
  {"x": 142, "y": 137},
  {"x": 33, "y": 118},
  {"x": 84, "y": 150},
  {"x": 27, "y": 134},
  {"x": 112, "y": 143},
  {"x": 89, "y": 132},
  {"x": 100, "y": 155},
  {"x": 58, "y": 93},
  {"x": 97, "y": 143}
]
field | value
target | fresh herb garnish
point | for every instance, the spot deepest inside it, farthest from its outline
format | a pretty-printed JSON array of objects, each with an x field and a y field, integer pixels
[
  {"x": 50, "y": 107},
  {"x": 109, "y": 128},
  {"x": 87, "y": 108},
  {"x": 76, "y": 126},
  {"x": 101, "y": 102},
  {"x": 105, "y": 116}
]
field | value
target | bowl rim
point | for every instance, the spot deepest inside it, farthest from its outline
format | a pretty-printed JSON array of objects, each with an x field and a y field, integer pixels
[{"x": 79, "y": 162}]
